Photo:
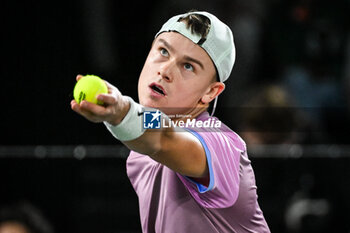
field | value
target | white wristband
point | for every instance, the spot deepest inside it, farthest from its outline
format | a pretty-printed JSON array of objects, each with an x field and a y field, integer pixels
[{"x": 131, "y": 126}]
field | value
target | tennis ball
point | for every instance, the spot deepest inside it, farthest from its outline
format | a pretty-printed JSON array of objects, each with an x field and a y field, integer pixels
[{"x": 88, "y": 87}]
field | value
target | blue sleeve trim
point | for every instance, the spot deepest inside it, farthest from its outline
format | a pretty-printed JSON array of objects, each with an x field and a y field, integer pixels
[{"x": 202, "y": 188}]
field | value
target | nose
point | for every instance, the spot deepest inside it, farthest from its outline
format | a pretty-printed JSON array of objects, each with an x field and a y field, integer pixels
[{"x": 166, "y": 71}]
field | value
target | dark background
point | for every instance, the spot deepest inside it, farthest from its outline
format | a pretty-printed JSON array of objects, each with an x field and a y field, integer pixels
[
  {"x": 94, "y": 194},
  {"x": 298, "y": 49}
]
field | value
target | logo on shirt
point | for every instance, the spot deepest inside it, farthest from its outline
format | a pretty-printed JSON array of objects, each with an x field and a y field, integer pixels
[{"x": 151, "y": 119}]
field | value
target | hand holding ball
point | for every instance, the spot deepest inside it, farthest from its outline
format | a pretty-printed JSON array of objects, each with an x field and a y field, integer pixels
[{"x": 88, "y": 88}]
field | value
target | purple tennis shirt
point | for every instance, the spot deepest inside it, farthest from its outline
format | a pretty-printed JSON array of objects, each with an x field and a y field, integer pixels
[{"x": 171, "y": 202}]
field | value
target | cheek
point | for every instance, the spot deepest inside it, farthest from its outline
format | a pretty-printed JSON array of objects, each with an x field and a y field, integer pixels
[
  {"x": 146, "y": 73},
  {"x": 188, "y": 93},
  {"x": 142, "y": 83}
]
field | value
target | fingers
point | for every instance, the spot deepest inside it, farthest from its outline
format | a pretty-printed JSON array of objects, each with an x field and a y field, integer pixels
[
  {"x": 79, "y": 76},
  {"x": 93, "y": 108},
  {"x": 90, "y": 111},
  {"x": 110, "y": 86},
  {"x": 107, "y": 99},
  {"x": 111, "y": 89},
  {"x": 109, "y": 111}
]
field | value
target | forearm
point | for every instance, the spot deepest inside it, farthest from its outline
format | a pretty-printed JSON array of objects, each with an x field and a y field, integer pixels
[{"x": 173, "y": 147}]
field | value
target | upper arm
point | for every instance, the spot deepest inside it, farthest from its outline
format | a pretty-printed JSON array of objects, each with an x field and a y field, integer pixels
[
  {"x": 176, "y": 148},
  {"x": 223, "y": 159},
  {"x": 183, "y": 153}
]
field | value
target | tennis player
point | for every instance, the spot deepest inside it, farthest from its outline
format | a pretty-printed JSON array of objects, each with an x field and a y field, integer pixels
[{"x": 190, "y": 171}]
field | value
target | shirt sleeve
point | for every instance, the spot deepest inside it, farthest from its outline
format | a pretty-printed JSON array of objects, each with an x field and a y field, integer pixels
[{"x": 223, "y": 158}]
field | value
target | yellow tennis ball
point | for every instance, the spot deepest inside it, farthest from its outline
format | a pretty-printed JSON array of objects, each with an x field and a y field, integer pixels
[{"x": 88, "y": 87}]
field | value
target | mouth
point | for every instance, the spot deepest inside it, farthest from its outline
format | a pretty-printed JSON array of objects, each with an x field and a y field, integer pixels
[{"x": 158, "y": 89}]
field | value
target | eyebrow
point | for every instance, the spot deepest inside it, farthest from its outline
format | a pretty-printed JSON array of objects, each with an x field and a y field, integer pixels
[{"x": 188, "y": 58}]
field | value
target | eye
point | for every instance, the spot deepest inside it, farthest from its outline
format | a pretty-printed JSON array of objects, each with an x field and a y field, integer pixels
[
  {"x": 188, "y": 67},
  {"x": 164, "y": 52}
]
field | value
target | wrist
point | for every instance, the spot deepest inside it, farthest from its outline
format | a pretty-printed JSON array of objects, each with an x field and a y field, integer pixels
[
  {"x": 130, "y": 126},
  {"x": 124, "y": 105}
]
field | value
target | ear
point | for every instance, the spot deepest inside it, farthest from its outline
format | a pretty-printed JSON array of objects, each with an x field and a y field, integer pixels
[{"x": 213, "y": 90}]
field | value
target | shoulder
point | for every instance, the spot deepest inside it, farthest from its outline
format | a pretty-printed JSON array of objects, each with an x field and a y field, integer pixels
[{"x": 214, "y": 131}]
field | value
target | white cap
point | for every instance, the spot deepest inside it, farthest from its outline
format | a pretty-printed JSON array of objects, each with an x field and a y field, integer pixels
[{"x": 218, "y": 43}]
